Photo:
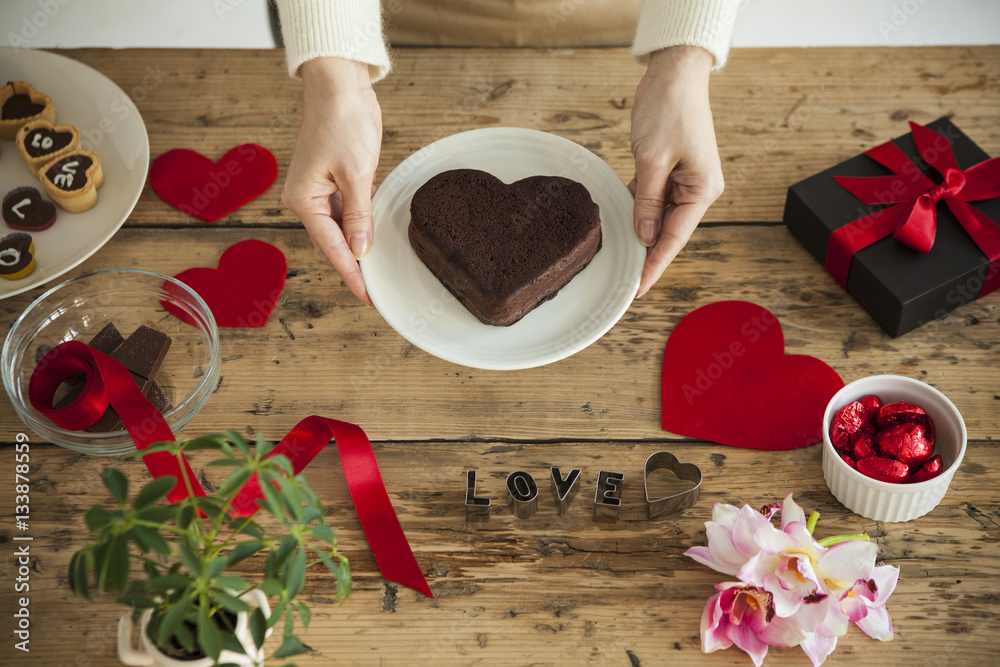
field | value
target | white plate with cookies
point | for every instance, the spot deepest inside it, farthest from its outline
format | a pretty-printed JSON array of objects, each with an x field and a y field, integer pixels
[
  {"x": 416, "y": 304},
  {"x": 108, "y": 126}
]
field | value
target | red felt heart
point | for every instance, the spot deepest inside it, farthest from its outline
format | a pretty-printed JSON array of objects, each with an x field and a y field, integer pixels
[
  {"x": 242, "y": 292},
  {"x": 190, "y": 182},
  {"x": 726, "y": 378}
]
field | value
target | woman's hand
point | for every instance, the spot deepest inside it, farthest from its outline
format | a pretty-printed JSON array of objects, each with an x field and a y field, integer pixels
[
  {"x": 331, "y": 177},
  {"x": 677, "y": 169}
]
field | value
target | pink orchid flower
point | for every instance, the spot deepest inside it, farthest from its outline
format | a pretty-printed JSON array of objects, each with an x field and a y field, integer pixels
[
  {"x": 744, "y": 615},
  {"x": 793, "y": 590}
]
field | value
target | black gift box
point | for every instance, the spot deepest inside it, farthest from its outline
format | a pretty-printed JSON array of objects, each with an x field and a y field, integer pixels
[{"x": 898, "y": 286}]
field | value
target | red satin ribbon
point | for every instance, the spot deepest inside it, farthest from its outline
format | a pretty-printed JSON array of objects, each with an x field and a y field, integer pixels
[
  {"x": 913, "y": 218},
  {"x": 107, "y": 381}
]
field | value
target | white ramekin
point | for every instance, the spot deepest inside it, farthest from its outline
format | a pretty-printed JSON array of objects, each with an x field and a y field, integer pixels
[{"x": 883, "y": 501}]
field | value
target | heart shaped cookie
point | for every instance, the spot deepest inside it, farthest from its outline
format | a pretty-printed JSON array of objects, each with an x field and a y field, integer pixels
[
  {"x": 17, "y": 256},
  {"x": 24, "y": 209},
  {"x": 243, "y": 291},
  {"x": 503, "y": 249},
  {"x": 72, "y": 180},
  {"x": 192, "y": 183},
  {"x": 40, "y": 141},
  {"x": 20, "y": 104},
  {"x": 726, "y": 378}
]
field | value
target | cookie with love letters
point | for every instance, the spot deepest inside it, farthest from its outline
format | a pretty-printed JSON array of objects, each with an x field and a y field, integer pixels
[
  {"x": 20, "y": 103},
  {"x": 72, "y": 180},
  {"x": 24, "y": 209},
  {"x": 17, "y": 256},
  {"x": 40, "y": 142}
]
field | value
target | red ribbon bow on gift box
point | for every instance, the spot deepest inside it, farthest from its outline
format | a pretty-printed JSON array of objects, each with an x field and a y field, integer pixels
[
  {"x": 109, "y": 382},
  {"x": 913, "y": 218}
]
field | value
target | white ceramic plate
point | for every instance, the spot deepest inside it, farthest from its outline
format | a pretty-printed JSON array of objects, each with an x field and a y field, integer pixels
[
  {"x": 109, "y": 125},
  {"x": 419, "y": 307}
]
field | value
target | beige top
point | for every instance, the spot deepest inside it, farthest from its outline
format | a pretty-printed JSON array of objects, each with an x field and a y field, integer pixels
[{"x": 354, "y": 29}]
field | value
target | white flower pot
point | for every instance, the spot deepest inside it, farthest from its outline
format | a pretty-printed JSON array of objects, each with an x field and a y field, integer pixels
[{"x": 147, "y": 654}]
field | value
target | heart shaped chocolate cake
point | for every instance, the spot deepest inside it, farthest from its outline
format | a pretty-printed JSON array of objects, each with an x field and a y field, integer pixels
[{"x": 503, "y": 249}]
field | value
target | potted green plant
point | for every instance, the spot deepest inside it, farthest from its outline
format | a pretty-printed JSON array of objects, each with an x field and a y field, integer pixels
[{"x": 179, "y": 565}]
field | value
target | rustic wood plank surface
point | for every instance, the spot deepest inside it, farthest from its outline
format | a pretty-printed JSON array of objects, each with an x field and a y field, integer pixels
[{"x": 551, "y": 590}]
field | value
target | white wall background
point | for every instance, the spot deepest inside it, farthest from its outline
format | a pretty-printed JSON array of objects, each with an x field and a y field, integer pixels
[{"x": 243, "y": 23}]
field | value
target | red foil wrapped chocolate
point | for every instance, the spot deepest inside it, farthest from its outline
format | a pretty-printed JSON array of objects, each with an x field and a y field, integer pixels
[
  {"x": 901, "y": 412},
  {"x": 848, "y": 421},
  {"x": 909, "y": 442},
  {"x": 864, "y": 445},
  {"x": 929, "y": 470},
  {"x": 883, "y": 469},
  {"x": 891, "y": 443},
  {"x": 872, "y": 405}
]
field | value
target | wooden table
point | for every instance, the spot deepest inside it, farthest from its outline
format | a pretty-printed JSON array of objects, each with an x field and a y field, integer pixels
[{"x": 551, "y": 590}]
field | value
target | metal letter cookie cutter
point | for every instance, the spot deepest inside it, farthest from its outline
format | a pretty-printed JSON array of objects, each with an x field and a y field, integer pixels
[
  {"x": 564, "y": 490},
  {"x": 523, "y": 494},
  {"x": 678, "y": 501},
  {"x": 476, "y": 508},
  {"x": 608, "y": 497}
]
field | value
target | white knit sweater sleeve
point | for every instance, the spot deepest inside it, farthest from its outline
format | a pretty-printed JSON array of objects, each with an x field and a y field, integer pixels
[
  {"x": 350, "y": 29},
  {"x": 704, "y": 23}
]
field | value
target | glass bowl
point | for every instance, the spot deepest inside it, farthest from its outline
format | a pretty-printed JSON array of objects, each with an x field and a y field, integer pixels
[
  {"x": 883, "y": 501},
  {"x": 80, "y": 308}
]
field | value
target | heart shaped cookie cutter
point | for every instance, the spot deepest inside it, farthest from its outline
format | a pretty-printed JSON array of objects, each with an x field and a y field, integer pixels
[{"x": 678, "y": 501}]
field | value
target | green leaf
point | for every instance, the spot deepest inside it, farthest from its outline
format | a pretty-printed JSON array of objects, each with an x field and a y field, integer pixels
[
  {"x": 304, "y": 613},
  {"x": 283, "y": 463},
  {"x": 242, "y": 551},
  {"x": 289, "y": 625},
  {"x": 289, "y": 647},
  {"x": 234, "y": 482},
  {"x": 191, "y": 560},
  {"x": 222, "y": 463},
  {"x": 153, "y": 491},
  {"x": 152, "y": 571},
  {"x": 247, "y": 528},
  {"x": 323, "y": 532},
  {"x": 229, "y": 602},
  {"x": 78, "y": 575},
  {"x": 203, "y": 442},
  {"x": 157, "y": 513},
  {"x": 296, "y": 573},
  {"x": 258, "y": 627},
  {"x": 137, "y": 601},
  {"x": 232, "y": 581},
  {"x": 185, "y": 516},
  {"x": 209, "y": 637},
  {"x": 173, "y": 618},
  {"x": 117, "y": 484},
  {"x": 277, "y": 612},
  {"x": 238, "y": 440},
  {"x": 210, "y": 505},
  {"x": 310, "y": 514},
  {"x": 118, "y": 560},
  {"x": 169, "y": 582},
  {"x": 273, "y": 504},
  {"x": 97, "y": 518},
  {"x": 185, "y": 638},
  {"x": 270, "y": 587},
  {"x": 152, "y": 539},
  {"x": 215, "y": 568}
]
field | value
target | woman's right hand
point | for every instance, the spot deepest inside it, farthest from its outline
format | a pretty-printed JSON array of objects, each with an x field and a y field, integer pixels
[{"x": 331, "y": 177}]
